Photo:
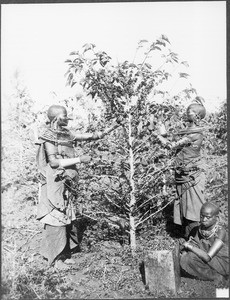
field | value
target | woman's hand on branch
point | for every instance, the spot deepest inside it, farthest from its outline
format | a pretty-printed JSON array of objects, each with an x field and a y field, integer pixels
[
  {"x": 100, "y": 134},
  {"x": 164, "y": 141},
  {"x": 85, "y": 159},
  {"x": 116, "y": 123},
  {"x": 108, "y": 130}
]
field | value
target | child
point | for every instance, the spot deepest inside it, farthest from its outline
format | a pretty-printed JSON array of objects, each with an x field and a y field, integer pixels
[{"x": 205, "y": 254}]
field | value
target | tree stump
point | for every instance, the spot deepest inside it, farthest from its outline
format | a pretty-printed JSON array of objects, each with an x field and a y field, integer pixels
[{"x": 162, "y": 271}]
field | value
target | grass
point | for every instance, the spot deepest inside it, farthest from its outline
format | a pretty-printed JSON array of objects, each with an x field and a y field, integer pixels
[{"x": 103, "y": 268}]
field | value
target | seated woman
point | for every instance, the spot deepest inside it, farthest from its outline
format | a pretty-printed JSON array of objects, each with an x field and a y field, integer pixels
[{"x": 205, "y": 255}]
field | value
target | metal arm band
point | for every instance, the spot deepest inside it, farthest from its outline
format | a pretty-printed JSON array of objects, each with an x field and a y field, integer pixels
[{"x": 217, "y": 245}]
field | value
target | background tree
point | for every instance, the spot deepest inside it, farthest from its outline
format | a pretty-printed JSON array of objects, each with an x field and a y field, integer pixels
[{"x": 18, "y": 149}]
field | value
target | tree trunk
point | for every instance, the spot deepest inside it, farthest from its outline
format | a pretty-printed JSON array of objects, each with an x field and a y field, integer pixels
[{"x": 132, "y": 194}]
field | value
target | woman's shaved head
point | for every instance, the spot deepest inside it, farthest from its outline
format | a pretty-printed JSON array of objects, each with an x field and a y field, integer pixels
[{"x": 210, "y": 206}]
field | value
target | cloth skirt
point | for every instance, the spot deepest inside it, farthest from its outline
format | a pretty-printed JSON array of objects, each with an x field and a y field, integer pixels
[
  {"x": 190, "y": 192},
  {"x": 58, "y": 241}
]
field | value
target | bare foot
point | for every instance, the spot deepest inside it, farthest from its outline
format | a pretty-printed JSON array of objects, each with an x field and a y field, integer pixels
[
  {"x": 60, "y": 265},
  {"x": 69, "y": 261}
]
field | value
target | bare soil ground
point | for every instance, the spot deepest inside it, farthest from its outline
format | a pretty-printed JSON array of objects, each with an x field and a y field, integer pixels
[{"x": 104, "y": 269}]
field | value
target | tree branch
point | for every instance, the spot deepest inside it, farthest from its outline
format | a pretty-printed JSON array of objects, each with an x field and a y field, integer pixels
[{"x": 140, "y": 222}]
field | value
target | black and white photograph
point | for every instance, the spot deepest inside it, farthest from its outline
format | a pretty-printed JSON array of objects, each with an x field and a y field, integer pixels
[{"x": 114, "y": 174}]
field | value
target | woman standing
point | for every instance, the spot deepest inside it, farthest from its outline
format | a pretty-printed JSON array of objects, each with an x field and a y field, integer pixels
[
  {"x": 189, "y": 169},
  {"x": 57, "y": 165}
]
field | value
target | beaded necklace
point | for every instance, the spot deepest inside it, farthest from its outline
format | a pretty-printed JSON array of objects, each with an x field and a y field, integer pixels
[{"x": 207, "y": 234}]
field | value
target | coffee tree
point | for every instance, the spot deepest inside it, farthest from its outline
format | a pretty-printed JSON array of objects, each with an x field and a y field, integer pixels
[{"x": 132, "y": 163}]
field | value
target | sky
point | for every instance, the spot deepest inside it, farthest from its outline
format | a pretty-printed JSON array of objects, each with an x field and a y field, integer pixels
[{"x": 36, "y": 39}]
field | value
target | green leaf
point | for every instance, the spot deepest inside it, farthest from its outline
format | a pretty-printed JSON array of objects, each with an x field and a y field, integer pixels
[
  {"x": 167, "y": 75},
  {"x": 73, "y": 83},
  {"x": 69, "y": 79},
  {"x": 94, "y": 61},
  {"x": 88, "y": 47},
  {"x": 66, "y": 73},
  {"x": 93, "y": 94},
  {"x": 156, "y": 47},
  {"x": 142, "y": 41},
  {"x": 74, "y": 53},
  {"x": 132, "y": 65},
  {"x": 183, "y": 75},
  {"x": 185, "y": 63},
  {"x": 148, "y": 65},
  {"x": 160, "y": 43},
  {"x": 164, "y": 37}
]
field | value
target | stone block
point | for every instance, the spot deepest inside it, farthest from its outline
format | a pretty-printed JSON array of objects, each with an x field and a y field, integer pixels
[{"x": 162, "y": 271}]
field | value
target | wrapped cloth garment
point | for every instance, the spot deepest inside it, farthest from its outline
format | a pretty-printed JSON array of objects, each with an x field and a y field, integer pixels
[
  {"x": 190, "y": 190},
  {"x": 58, "y": 241},
  {"x": 53, "y": 242},
  {"x": 196, "y": 267},
  {"x": 55, "y": 205},
  {"x": 56, "y": 193},
  {"x": 190, "y": 183}
]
